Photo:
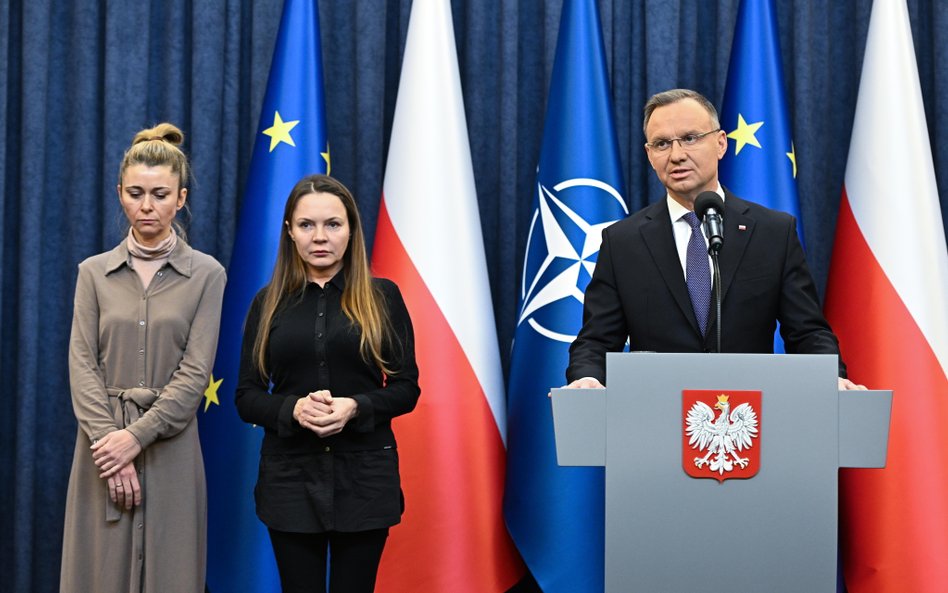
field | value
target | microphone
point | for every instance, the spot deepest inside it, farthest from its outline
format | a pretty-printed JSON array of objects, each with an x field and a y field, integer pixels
[{"x": 709, "y": 208}]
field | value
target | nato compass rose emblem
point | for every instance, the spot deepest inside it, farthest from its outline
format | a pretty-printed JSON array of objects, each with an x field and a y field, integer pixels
[{"x": 562, "y": 248}]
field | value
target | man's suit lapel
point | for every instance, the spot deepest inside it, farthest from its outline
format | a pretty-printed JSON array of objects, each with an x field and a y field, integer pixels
[
  {"x": 738, "y": 227},
  {"x": 660, "y": 241}
]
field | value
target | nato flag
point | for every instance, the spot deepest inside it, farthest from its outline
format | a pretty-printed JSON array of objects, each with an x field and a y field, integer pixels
[
  {"x": 291, "y": 143},
  {"x": 555, "y": 514}
]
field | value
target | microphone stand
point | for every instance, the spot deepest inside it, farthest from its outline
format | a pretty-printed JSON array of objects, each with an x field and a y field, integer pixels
[{"x": 716, "y": 281}]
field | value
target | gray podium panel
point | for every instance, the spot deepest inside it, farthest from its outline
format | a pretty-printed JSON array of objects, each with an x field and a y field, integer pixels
[
  {"x": 579, "y": 418},
  {"x": 862, "y": 414},
  {"x": 668, "y": 532},
  {"x": 734, "y": 534}
]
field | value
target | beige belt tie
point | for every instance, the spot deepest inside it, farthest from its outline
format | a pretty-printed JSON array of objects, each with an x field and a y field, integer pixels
[{"x": 128, "y": 407}]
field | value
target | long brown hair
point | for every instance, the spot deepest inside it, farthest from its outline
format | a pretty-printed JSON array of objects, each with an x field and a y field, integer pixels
[{"x": 362, "y": 302}]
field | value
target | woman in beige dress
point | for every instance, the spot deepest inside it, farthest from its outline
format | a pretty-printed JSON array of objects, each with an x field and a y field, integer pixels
[{"x": 144, "y": 333}]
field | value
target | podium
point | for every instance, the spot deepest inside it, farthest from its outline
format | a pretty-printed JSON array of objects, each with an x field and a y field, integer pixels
[{"x": 669, "y": 532}]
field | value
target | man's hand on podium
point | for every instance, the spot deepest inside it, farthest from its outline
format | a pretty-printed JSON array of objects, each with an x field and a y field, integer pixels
[
  {"x": 847, "y": 385},
  {"x": 586, "y": 383}
]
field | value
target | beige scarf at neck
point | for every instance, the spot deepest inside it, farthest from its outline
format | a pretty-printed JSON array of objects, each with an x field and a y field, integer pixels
[{"x": 146, "y": 261}]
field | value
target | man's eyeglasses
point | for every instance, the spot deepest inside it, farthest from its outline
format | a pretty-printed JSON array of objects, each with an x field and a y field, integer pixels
[{"x": 686, "y": 141}]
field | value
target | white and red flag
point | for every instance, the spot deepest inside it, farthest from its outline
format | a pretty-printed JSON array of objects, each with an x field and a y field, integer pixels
[
  {"x": 429, "y": 241},
  {"x": 888, "y": 302}
]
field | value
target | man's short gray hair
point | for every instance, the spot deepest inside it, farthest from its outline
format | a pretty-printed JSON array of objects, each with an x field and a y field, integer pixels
[{"x": 673, "y": 96}]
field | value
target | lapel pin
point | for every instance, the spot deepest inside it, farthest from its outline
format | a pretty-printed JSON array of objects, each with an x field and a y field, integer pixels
[{"x": 742, "y": 227}]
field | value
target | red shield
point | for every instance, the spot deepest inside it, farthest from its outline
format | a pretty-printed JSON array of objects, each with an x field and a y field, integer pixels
[{"x": 720, "y": 433}]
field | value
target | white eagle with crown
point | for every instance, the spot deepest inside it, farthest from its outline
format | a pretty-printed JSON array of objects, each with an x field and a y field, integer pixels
[{"x": 724, "y": 437}]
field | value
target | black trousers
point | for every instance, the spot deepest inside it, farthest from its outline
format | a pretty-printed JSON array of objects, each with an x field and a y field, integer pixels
[{"x": 353, "y": 560}]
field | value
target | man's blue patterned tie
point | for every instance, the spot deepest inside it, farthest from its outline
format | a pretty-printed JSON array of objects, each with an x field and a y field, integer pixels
[{"x": 698, "y": 272}]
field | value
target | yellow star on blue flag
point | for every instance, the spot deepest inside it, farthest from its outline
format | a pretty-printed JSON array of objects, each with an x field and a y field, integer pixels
[
  {"x": 210, "y": 394},
  {"x": 280, "y": 131},
  {"x": 745, "y": 134}
]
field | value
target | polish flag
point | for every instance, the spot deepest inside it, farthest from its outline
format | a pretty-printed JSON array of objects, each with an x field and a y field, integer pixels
[
  {"x": 428, "y": 240},
  {"x": 888, "y": 302}
]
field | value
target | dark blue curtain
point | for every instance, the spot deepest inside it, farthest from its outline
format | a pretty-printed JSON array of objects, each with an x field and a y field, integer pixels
[{"x": 78, "y": 79}]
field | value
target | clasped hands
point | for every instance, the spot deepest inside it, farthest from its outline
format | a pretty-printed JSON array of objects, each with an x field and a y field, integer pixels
[
  {"x": 114, "y": 455},
  {"x": 323, "y": 414}
]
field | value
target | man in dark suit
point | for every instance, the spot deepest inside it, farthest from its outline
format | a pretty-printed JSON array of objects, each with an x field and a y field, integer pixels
[{"x": 641, "y": 289}]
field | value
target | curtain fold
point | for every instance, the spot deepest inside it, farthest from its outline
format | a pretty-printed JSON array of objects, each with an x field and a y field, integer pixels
[{"x": 78, "y": 79}]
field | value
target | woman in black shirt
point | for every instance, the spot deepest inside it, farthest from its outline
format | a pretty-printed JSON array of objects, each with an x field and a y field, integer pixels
[{"x": 327, "y": 361}]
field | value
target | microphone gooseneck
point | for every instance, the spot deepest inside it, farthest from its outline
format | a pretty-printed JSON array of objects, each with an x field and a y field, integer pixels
[{"x": 709, "y": 208}]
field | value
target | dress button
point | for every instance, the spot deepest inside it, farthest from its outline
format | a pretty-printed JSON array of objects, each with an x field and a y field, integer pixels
[
  {"x": 139, "y": 525},
  {"x": 161, "y": 274},
  {"x": 322, "y": 363},
  {"x": 321, "y": 314},
  {"x": 141, "y": 322},
  {"x": 319, "y": 335},
  {"x": 141, "y": 383},
  {"x": 327, "y": 449}
]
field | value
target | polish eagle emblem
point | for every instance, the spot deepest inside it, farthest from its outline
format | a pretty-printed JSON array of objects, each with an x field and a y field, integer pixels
[{"x": 721, "y": 439}]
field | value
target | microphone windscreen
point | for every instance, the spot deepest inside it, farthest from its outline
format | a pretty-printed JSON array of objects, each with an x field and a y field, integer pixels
[{"x": 707, "y": 200}]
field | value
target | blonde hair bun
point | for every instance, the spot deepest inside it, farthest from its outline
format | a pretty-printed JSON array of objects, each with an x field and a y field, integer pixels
[
  {"x": 158, "y": 146},
  {"x": 164, "y": 131}
]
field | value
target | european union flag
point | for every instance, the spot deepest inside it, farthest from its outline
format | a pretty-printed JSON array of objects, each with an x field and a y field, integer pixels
[
  {"x": 555, "y": 514},
  {"x": 291, "y": 143},
  {"x": 761, "y": 162}
]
